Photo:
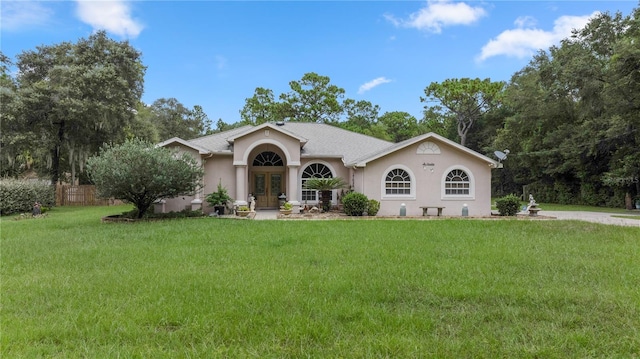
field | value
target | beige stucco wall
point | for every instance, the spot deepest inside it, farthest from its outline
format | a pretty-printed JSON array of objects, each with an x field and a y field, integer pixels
[
  {"x": 428, "y": 181},
  {"x": 265, "y": 137},
  {"x": 183, "y": 202}
]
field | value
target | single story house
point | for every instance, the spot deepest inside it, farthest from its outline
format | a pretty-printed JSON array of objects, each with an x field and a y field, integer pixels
[{"x": 274, "y": 160}]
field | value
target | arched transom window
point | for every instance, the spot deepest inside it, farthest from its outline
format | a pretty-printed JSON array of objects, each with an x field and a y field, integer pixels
[
  {"x": 314, "y": 170},
  {"x": 268, "y": 158},
  {"x": 457, "y": 183},
  {"x": 397, "y": 182}
]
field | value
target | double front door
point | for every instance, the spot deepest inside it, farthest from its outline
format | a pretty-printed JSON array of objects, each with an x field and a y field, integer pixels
[{"x": 267, "y": 186}]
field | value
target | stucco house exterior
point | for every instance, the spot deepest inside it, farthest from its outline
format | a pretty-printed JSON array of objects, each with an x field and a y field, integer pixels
[{"x": 274, "y": 160}]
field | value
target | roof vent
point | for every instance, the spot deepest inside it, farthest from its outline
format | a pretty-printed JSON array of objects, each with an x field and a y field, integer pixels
[{"x": 280, "y": 123}]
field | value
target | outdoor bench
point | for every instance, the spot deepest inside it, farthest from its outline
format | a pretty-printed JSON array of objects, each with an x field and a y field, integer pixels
[{"x": 425, "y": 209}]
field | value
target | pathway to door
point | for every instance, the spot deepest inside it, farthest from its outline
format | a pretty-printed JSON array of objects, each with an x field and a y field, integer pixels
[{"x": 262, "y": 214}]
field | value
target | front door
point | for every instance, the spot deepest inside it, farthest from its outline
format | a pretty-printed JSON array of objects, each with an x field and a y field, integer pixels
[{"x": 266, "y": 188}]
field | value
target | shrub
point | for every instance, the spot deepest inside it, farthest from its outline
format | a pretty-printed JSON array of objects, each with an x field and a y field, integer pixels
[
  {"x": 141, "y": 173},
  {"x": 373, "y": 207},
  {"x": 17, "y": 196},
  {"x": 508, "y": 205},
  {"x": 355, "y": 203}
]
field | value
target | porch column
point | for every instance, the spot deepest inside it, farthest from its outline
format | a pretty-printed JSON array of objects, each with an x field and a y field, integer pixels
[
  {"x": 241, "y": 185},
  {"x": 293, "y": 186},
  {"x": 196, "y": 203}
]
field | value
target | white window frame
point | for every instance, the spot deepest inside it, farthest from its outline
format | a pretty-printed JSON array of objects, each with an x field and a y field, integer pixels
[
  {"x": 301, "y": 189},
  {"x": 472, "y": 184},
  {"x": 383, "y": 183}
]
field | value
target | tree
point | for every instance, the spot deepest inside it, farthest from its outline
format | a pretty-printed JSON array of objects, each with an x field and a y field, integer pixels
[
  {"x": 313, "y": 99},
  {"x": 74, "y": 97},
  {"x": 399, "y": 125},
  {"x": 467, "y": 99},
  {"x": 139, "y": 173},
  {"x": 325, "y": 186},
  {"x": 173, "y": 119},
  {"x": 361, "y": 115},
  {"x": 260, "y": 108}
]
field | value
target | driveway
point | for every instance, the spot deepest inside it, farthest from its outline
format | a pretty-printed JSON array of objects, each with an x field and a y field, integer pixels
[{"x": 597, "y": 217}]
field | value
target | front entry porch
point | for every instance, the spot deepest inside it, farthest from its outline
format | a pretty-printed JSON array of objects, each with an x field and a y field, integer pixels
[{"x": 266, "y": 187}]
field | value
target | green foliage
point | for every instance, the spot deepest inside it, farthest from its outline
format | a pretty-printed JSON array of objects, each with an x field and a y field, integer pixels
[
  {"x": 287, "y": 206},
  {"x": 325, "y": 186},
  {"x": 355, "y": 203},
  {"x": 220, "y": 197},
  {"x": 466, "y": 100},
  {"x": 141, "y": 173},
  {"x": 581, "y": 145},
  {"x": 313, "y": 99},
  {"x": 19, "y": 196},
  {"x": 508, "y": 205},
  {"x": 399, "y": 125},
  {"x": 373, "y": 207},
  {"x": 172, "y": 119},
  {"x": 72, "y": 98}
]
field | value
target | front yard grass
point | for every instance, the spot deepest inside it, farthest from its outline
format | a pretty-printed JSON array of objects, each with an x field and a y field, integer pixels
[{"x": 75, "y": 287}]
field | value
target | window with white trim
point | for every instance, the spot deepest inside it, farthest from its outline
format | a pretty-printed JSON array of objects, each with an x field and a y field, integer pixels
[
  {"x": 457, "y": 183},
  {"x": 314, "y": 170},
  {"x": 397, "y": 182}
]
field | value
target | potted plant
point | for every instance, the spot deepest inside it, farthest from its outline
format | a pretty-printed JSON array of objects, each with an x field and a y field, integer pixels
[
  {"x": 243, "y": 211},
  {"x": 219, "y": 199},
  {"x": 286, "y": 208}
]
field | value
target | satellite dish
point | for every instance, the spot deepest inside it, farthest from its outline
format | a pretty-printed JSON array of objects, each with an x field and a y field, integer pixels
[{"x": 501, "y": 155}]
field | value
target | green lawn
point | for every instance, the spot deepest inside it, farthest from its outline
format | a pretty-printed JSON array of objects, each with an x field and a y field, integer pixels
[{"x": 75, "y": 287}]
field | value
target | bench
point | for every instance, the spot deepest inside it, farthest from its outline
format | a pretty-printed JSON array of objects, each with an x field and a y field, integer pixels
[{"x": 426, "y": 208}]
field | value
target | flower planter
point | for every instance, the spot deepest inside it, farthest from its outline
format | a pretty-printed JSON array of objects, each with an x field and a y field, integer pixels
[
  {"x": 242, "y": 213},
  {"x": 285, "y": 211}
]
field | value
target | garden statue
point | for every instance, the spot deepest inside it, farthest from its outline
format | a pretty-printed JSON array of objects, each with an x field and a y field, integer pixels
[
  {"x": 37, "y": 209},
  {"x": 252, "y": 203},
  {"x": 532, "y": 207}
]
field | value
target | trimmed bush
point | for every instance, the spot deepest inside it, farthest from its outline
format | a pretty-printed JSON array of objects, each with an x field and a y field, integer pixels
[
  {"x": 18, "y": 196},
  {"x": 373, "y": 208},
  {"x": 355, "y": 204},
  {"x": 508, "y": 205}
]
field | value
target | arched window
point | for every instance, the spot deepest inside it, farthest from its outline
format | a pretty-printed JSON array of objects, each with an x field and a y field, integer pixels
[
  {"x": 457, "y": 183},
  {"x": 397, "y": 182},
  {"x": 268, "y": 158},
  {"x": 314, "y": 170}
]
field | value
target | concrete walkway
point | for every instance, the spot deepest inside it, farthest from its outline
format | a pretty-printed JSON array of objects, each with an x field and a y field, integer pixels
[
  {"x": 263, "y": 214},
  {"x": 596, "y": 217}
]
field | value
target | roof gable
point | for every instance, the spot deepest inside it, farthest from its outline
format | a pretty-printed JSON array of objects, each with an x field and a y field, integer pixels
[
  {"x": 362, "y": 162},
  {"x": 180, "y": 141},
  {"x": 270, "y": 126}
]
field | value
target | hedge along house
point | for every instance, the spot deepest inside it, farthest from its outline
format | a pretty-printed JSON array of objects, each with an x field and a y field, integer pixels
[{"x": 274, "y": 160}]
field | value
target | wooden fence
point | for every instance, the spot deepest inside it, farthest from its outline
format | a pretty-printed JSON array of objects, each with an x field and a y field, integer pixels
[{"x": 84, "y": 195}]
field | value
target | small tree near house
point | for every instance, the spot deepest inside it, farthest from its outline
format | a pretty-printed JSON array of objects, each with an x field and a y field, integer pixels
[
  {"x": 325, "y": 186},
  {"x": 140, "y": 173}
]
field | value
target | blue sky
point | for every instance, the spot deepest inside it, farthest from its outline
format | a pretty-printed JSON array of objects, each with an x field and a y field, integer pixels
[{"x": 215, "y": 53}]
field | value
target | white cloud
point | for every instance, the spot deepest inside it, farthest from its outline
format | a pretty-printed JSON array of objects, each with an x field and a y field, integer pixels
[
  {"x": 17, "y": 15},
  {"x": 113, "y": 16},
  {"x": 525, "y": 40},
  {"x": 373, "y": 83},
  {"x": 438, "y": 14}
]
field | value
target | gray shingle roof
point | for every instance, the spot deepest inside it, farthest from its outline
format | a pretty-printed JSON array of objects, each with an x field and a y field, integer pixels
[{"x": 322, "y": 141}]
